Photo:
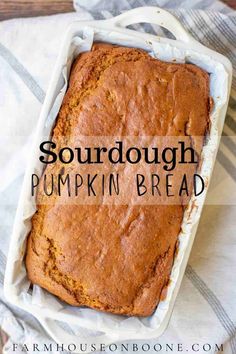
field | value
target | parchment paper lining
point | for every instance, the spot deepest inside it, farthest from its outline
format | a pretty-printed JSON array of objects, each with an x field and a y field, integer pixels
[{"x": 94, "y": 319}]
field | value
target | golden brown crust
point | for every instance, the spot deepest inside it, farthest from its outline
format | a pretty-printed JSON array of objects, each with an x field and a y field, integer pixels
[{"x": 117, "y": 258}]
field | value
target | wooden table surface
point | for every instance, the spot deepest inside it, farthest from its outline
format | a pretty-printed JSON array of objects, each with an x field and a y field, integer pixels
[{"x": 27, "y": 8}]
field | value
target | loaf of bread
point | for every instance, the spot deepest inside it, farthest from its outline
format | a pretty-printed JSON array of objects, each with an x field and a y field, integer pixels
[{"x": 117, "y": 258}]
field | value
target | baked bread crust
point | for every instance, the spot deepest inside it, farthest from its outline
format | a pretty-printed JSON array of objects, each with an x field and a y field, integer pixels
[{"x": 117, "y": 258}]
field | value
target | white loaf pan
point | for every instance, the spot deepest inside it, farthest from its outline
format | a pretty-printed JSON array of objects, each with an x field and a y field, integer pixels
[{"x": 46, "y": 308}]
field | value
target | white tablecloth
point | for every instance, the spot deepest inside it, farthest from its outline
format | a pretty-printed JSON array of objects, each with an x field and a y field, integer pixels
[{"x": 205, "y": 310}]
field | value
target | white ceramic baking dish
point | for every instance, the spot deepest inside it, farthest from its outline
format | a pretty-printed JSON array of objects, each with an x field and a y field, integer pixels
[{"x": 184, "y": 48}]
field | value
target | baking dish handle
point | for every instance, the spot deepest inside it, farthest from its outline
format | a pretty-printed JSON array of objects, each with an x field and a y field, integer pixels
[
  {"x": 154, "y": 15},
  {"x": 76, "y": 343}
]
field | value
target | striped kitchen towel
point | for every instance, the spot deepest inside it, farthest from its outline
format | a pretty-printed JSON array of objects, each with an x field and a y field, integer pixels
[{"x": 204, "y": 318}]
